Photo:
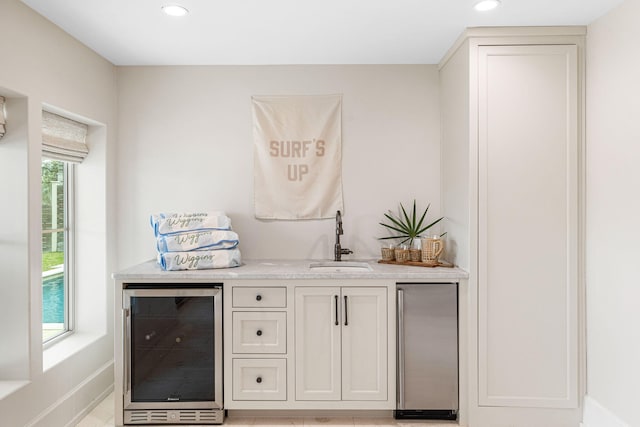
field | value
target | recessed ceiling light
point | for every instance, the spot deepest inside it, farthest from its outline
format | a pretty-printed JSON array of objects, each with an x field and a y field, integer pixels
[
  {"x": 484, "y": 5},
  {"x": 175, "y": 10}
]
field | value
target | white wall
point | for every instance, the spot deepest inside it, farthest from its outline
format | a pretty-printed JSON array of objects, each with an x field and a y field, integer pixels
[
  {"x": 613, "y": 204},
  {"x": 14, "y": 238},
  {"x": 43, "y": 66},
  {"x": 185, "y": 143},
  {"x": 455, "y": 161}
]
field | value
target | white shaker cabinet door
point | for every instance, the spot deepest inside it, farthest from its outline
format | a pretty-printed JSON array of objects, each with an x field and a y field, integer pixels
[
  {"x": 364, "y": 344},
  {"x": 528, "y": 225},
  {"x": 317, "y": 343}
]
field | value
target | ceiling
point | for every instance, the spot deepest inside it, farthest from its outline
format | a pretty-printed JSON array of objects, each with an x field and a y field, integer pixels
[{"x": 238, "y": 32}]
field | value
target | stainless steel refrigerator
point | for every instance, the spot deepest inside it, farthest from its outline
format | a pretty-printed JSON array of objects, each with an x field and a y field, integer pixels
[{"x": 427, "y": 351}]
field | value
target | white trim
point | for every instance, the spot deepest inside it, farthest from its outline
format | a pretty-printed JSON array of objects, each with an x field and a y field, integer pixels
[
  {"x": 63, "y": 349},
  {"x": 89, "y": 408},
  {"x": 596, "y": 415},
  {"x": 102, "y": 378},
  {"x": 538, "y": 35},
  {"x": 9, "y": 387}
]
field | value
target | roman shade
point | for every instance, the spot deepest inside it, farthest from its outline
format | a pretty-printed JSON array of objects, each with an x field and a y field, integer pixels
[
  {"x": 2, "y": 119},
  {"x": 63, "y": 139}
]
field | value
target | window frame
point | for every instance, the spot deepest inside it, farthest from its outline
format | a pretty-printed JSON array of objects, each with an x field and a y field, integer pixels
[{"x": 69, "y": 251}]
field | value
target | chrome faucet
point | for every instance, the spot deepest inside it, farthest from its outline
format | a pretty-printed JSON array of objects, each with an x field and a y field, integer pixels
[{"x": 338, "y": 251}]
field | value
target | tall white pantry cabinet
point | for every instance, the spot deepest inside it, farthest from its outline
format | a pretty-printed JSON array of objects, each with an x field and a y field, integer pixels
[{"x": 512, "y": 187}]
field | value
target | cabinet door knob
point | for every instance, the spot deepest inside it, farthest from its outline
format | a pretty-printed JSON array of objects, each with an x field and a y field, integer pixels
[
  {"x": 259, "y": 380},
  {"x": 258, "y": 297},
  {"x": 259, "y": 333}
]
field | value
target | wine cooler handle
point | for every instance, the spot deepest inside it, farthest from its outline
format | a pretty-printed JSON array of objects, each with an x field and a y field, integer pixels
[{"x": 127, "y": 349}]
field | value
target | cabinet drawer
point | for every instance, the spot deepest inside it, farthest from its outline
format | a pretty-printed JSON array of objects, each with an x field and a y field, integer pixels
[
  {"x": 260, "y": 297},
  {"x": 259, "y": 379},
  {"x": 259, "y": 332}
]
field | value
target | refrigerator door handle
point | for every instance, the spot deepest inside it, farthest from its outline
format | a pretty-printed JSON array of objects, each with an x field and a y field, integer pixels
[{"x": 400, "y": 353}]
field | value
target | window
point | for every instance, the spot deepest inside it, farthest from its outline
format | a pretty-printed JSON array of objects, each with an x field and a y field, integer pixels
[
  {"x": 57, "y": 248},
  {"x": 63, "y": 146}
]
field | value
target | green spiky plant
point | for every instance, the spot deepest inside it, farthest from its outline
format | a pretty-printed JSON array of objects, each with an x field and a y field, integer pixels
[{"x": 408, "y": 227}]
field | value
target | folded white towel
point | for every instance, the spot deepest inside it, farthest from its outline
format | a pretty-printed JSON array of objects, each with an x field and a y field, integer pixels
[
  {"x": 199, "y": 260},
  {"x": 168, "y": 223},
  {"x": 197, "y": 240}
]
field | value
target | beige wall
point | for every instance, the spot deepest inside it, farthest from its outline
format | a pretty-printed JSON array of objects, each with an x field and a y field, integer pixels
[
  {"x": 43, "y": 66},
  {"x": 185, "y": 143},
  {"x": 613, "y": 204}
]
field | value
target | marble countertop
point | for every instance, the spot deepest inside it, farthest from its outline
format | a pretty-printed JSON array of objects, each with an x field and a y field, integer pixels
[{"x": 291, "y": 269}]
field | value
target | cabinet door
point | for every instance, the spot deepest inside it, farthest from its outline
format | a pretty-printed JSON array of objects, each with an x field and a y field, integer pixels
[
  {"x": 364, "y": 343},
  {"x": 317, "y": 343},
  {"x": 527, "y": 225}
]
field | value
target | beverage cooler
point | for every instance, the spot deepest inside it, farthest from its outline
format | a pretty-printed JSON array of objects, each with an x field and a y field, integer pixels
[{"x": 173, "y": 354}]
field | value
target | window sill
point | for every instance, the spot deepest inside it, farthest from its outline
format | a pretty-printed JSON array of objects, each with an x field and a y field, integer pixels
[
  {"x": 66, "y": 347},
  {"x": 9, "y": 387}
]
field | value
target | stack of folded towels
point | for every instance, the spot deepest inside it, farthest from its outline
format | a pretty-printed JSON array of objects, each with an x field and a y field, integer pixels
[{"x": 195, "y": 241}]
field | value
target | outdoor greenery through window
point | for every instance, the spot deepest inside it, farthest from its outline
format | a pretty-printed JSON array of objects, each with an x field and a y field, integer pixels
[{"x": 56, "y": 248}]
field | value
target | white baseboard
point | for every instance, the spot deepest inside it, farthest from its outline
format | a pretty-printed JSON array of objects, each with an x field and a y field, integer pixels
[
  {"x": 596, "y": 415},
  {"x": 87, "y": 410},
  {"x": 86, "y": 395}
]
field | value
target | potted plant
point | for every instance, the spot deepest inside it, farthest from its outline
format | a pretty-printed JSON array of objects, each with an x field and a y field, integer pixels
[{"x": 407, "y": 227}]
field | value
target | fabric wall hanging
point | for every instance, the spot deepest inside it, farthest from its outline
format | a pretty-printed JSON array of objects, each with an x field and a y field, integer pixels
[{"x": 297, "y": 156}]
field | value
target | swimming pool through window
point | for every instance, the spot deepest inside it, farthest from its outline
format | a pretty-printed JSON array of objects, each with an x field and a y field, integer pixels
[{"x": 56, "y": 247}]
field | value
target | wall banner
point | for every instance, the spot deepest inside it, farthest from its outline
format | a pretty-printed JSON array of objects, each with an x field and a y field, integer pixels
[{"x": 297, "y": 156}]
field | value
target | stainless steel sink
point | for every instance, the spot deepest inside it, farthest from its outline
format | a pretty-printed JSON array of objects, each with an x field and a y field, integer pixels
[{"x": 340, "y": 267}]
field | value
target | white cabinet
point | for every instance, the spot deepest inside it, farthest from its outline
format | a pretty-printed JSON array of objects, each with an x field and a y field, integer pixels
[
  {"x": 511, "y": 156},
  {"x": 364, "y": 344},
  {"x": 257, "y": 297},
  {"x": 527, "y": 225},
  {"x": 341, "y": 343},
  {"x": 258, "y": 343},
  {"x": 309, "y": 344},
  {"x": 317, "y": 343},
  {"x": 259, "y": 379},
  {"x": 259, "y": 332}
]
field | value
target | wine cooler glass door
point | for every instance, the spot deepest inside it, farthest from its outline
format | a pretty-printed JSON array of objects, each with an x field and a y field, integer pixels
[{"x": 173, "y": 348}]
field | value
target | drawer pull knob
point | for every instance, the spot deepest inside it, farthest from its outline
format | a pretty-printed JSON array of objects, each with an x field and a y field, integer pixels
[
  {"x": 259, "y": 333},
  {"x": 259, "y": 380},
  {"x": 258, "y": 297}
]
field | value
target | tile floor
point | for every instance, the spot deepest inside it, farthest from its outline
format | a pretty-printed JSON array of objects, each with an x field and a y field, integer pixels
[{"x": 102, "y": 416}]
